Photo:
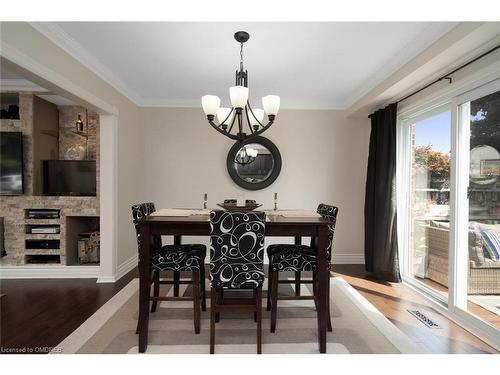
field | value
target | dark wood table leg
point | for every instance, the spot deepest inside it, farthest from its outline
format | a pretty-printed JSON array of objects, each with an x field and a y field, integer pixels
[
  {"x": 298, "y": 241},
  {"x": 144, "y": 287},
  {"x": 323, "y": 279}
]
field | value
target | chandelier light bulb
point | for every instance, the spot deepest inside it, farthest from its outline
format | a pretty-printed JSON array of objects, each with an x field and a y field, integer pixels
[
  {"x": 258, "y": 116},
  {"x": 271, "y": 104},
  {"x": 239, "y": 96},
  {"x": 222, "y": 114},
  {"x": 210, "y": 104}
]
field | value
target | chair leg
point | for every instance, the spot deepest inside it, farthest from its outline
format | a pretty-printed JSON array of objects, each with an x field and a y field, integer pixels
[
  {"x": 196, "y": 301},
  {"x": 177, "y": 277},
  {"x": 220, "y": 296},
  {"x": 212, "y": 320},
  {"x": 274, "y": 300},
  {"x": 255, "y": 312},
  {"x": 259, "y": 319},
  {"x": 139, "y": 317},
  {"x": 297, "y": 283},
  {"x": 328, "y": 318},
  {"x": 269, "y": 283},
  {"x": 203, "y": 291},
  {"x": 156, "y": 289},
  {"x": 315, "y": 289}
]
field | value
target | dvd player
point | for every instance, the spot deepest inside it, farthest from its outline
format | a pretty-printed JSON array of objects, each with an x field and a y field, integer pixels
[{"x": 42, "y": 213}]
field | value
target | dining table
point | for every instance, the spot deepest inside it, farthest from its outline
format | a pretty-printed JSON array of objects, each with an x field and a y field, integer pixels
[{"x": 197, "y": 223}]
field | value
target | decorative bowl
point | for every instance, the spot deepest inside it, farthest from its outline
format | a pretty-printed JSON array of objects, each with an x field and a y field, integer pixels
[{"x": 231, "y": 206}]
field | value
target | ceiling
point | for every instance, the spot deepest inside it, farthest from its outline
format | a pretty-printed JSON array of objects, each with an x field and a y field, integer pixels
[{"x": 310, "y": 65}]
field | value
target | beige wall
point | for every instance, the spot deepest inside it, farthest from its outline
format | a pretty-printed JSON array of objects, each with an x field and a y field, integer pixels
[
  {"x": 324, "y": 160},
  {"x": 28, "y": 41}
]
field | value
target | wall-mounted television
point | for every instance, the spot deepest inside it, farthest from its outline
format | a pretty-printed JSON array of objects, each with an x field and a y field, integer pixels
[
  {"x": 69, "y": 177},
  {"x": 11, "y": 163}
]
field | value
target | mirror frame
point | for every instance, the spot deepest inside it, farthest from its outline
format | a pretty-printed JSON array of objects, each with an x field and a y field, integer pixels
[{"x": 259, "y": 185}]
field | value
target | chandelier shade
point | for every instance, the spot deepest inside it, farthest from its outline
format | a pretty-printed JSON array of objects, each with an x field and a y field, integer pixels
[
  {"x": 256, "y": 116},
  {"x": 210, "y": 104},
  {"x": 271, "y": 104},
  {"x": 239, "y": 96},
  {"x": 240, "y": 122}
]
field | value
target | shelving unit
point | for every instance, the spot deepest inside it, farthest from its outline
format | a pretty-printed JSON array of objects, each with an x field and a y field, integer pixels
[
  {"x": 42, "y": 248},
  {"x": 79, "y": 228}
]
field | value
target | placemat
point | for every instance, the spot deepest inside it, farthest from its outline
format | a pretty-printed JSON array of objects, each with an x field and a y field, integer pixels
[
  {"x": 180, "y": 212},
  {"x": 292, "y": 213}
]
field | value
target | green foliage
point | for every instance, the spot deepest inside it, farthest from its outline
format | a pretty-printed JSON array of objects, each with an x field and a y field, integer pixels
[{"x": 435, "y": 162}]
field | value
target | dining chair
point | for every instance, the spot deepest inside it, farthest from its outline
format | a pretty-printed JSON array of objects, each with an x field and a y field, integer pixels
[
  {"x": 236, "y": 263},
  {"x": 176, "y": 258},
  {"x": 299, "y": 258}
]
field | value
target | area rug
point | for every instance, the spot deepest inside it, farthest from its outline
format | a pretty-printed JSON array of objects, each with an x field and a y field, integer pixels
[{"x": 358, "y": 327}]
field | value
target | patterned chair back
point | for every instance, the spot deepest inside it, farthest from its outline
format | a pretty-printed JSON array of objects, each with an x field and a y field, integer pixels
[
  {"x": 329, "y": 213},
  {"x": 138, "y": 212},
  {"x": 237, "y": 249}
]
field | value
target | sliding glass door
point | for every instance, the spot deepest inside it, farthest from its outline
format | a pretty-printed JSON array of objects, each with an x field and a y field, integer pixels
[
  {"x": 449, "y": 204},
  {"x": 429, "y": 193},
  {"x": 481, "y": 122}
]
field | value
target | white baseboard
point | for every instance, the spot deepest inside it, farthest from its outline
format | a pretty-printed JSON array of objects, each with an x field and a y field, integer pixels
[
  {"x": 49, "y": 272},
  {"x": 126, "y": 267}
]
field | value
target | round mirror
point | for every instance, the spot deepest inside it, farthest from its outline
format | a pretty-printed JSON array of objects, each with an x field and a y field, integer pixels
[
  {"x": 254, "y": 164},
  {"x": 484, "y": 165}
]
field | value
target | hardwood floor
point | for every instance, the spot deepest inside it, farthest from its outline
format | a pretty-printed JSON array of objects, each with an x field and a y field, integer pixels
[
  {"x": 393, "y": 300},
  {"x": 38, "y": 314}
]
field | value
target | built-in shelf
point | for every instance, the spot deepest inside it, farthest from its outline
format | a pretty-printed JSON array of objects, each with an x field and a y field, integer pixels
[
  {"x": 42, "y": 259},
  {"x": 78, "y": 230}
]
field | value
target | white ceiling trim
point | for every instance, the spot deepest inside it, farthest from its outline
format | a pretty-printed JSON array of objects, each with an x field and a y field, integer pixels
[
  {"x": 196, "y": 103},
  {"x": 60, "y": 38},
  {"x": 22, "y": 85}
]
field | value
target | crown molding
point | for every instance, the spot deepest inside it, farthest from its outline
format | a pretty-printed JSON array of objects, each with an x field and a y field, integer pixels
[
  {"x": 60, "y": 38},
  {"x": 22, "y": 85},
  {"x": 167, "y": 103}
]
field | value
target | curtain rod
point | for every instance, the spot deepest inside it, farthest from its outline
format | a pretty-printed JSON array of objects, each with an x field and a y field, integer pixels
[{"x": 447, "y": 76}]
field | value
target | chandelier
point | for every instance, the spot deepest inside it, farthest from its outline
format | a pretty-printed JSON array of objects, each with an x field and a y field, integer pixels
[
  {"x": 245, "y": 155},
  {"x": 233, "y": 122}
]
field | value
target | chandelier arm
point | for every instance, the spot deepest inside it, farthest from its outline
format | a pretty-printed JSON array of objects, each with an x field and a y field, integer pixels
[
  {"x": 223, "y": 122},
  {"x": 222, "y": 131},
  {"x": 232, "y": 123},
  {"x": 255, "y": 117},
  {"x": 248, "y": 120},
  {"x": 260, "y": 131}
]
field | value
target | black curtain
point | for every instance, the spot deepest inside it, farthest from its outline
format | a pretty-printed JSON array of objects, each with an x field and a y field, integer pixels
[{"x": 381, "y": 241}]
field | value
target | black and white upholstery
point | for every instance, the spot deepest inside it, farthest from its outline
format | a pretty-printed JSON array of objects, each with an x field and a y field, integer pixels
[
  {"x": 168, "y": 257},
  {"x": 237, "y": 249},
  {"x": 236, "y": 262},
  {"x": 174, "y": 258},
  {"x": 288, "y": 257},
  {"x": 298, "y": 258}
]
